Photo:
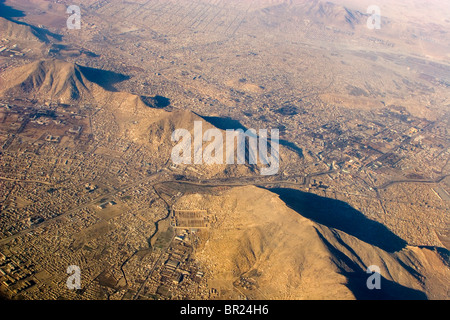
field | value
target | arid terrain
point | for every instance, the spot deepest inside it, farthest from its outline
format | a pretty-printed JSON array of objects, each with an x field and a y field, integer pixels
[{"x": 88, "y": 178}]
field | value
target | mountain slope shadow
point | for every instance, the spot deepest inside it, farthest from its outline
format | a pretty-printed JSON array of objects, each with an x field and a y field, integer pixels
[
  {"x": 341, "y": 216},
  {"x": 9, "y": 12},
  {"x": 225, "y": 123},
  {"x": 104, "y": 78},
  {"x": 357, "y": 281},
  {"x": 43, "y": 34},
  {"x": 158, "y": 102}
]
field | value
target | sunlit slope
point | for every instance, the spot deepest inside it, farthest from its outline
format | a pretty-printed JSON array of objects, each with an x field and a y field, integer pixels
[{"x": 257, "y": 237}]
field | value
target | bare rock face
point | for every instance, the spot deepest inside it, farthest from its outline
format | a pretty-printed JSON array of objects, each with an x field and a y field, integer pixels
[
  {"x": 260, "y": 248},
  {"x": 21, "y": 31},
  {"x": 61, "y": 80}
]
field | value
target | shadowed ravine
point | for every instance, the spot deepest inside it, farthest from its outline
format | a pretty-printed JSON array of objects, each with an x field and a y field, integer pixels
[
  {"x": 9, "y": 12},
  {"x": 341, "y": 216}
]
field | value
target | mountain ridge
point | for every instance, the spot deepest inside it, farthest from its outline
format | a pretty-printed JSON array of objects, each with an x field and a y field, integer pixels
[
  {"x": 22, "y": 31},
  {"x": 258, "y": 239}
]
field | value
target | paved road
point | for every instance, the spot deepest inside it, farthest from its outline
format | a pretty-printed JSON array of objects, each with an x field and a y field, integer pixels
[{"x": 390, "y": 183}]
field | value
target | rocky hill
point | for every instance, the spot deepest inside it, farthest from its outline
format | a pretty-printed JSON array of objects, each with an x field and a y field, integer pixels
[{"x": 261, "y": 248}]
